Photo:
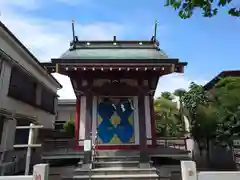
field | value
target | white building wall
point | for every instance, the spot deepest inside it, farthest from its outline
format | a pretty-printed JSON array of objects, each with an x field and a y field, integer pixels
[
  {"x": 18, "y": 54},
  {"x": 24, "y": 60},
  {"x": 15, "y": 106},
  {"x": 189, "y": 172},
  {"x": 66, "y": 112}
]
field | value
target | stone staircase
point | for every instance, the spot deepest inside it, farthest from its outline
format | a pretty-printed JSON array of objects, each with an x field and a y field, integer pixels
[{"x": 116, "y": 165}]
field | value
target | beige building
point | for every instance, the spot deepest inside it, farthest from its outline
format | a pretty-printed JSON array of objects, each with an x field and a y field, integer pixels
[
  {"x": 66, "y": 110},
  {"x": 28, "y": 93}
]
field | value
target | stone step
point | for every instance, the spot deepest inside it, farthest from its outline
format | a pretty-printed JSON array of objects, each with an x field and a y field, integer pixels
[
  {"x": 115, "y": 164},
  {"x": 117, "y": 153},
  {"x": 116, "y": 177},
  {"x": 116, "y": 158},
  {"x": 80, "y": 163},
  {"x": 115, "y": 170},
  {"x": 66, "y": 156}
]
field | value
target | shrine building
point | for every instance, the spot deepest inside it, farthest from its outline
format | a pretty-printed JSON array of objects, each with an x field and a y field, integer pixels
[{"x": 114, "y": 82}]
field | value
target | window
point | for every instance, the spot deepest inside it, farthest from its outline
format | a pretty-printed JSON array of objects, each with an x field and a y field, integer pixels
[
  {"x": 1, "y": 126},
  {"x": 56, "y": 117},
  {"x": 48, "y": 101},
  {"x": 59, "y": 125},
  {"x": 22, "y": 87},
  {"x": 21, "y": 135},
  {"x": 1, "y": 62}
]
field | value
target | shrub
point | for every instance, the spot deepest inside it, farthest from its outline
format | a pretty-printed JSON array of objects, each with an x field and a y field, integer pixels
[{"x": 69, "y": 127}]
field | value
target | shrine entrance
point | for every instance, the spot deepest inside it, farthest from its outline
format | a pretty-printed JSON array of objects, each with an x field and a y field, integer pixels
[
  {"x": 114, "y": 82},
  {"x": 115, "y": 121}
]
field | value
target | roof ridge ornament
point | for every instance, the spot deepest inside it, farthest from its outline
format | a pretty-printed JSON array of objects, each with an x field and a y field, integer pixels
[
  {"x": 114, "y": 38},
  {"x": 154, "y": 37},
  {"x": 75, "y": 38},
  {"x": 155, "y": 30}
]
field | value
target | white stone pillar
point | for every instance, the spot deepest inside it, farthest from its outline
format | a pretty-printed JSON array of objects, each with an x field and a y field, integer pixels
[
  {"x": 148, "y": 120},
  {"x": 94, "y": 119},
  {"x": 188, "y": 170},
  {"x": 136, "y": 120},
  {"x": 82, "y": 120},
  {"x": 41, "y": 172}
]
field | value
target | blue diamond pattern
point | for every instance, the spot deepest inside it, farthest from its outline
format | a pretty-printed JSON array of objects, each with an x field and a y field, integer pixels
[
  {"x": 124, "y": 130},
  {"x": 106, "y": 130}
]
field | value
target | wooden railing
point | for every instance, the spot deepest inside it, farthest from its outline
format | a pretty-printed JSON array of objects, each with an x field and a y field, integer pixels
[
  {"x": 58, "y": 144},
  {"x": 68, "y": 144},
  {"x": 236, "y": 151},
  {"x": 172, "y": 142}
]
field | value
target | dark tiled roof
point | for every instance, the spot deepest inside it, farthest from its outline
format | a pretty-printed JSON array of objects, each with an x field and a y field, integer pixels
[
  {"x": 211, "y": 83},
  {"x": 27, "y": 51},
  {"x": 114, "y": 50}
]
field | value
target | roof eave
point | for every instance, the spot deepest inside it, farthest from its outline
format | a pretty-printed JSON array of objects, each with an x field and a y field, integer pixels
[
  {"x": 112, "y": 61},
  {"x": 212, "y": 83}
]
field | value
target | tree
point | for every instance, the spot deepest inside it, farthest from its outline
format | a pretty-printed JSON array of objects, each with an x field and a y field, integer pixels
[
  {"x": 195, "y": 101},
  {"x": 193, "y": 98},
  {"x": 209, "y": 7},
  {"x": 227, "y": 99},
  {"x": 180, "y": 93},
  {"x": 216, "y": 118},
  {"x": 168, "y": 121},
  {"x": 206, "y": 122},
  {"x": 167, "y": 95},
  {"x": 69, "y": 127}
]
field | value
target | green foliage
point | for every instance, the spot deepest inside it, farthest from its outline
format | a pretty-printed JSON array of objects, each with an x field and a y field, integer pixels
[
  {"x": 217, "y": 118},
  {"x": 179, "y": 92},
  {"x": 206, "y": 121},
  {"x": 168, "y": 120},
  {"x": 167, "y": 95},
  {"x": 228, "y": 102},
  {"x": 69, "y": 127},
  {"x": 201, "y": 114},
  {"x": 193, "y": 98},
  {"x": 209, "y": 7}
]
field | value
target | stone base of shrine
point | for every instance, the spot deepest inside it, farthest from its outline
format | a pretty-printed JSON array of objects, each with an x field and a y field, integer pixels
[{"x": 116, "y": 147}]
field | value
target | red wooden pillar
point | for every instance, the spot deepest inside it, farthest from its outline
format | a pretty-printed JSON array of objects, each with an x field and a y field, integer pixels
[
  {"x": 77, "y": 120},
  {"x": 153, "y": 122}
]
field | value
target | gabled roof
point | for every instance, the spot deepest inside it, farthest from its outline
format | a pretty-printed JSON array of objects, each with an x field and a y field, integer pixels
[
  {"x": 223, "y": 74},
  {"x": 114, "y": 50},
  {"x": 28, "y": 52}
]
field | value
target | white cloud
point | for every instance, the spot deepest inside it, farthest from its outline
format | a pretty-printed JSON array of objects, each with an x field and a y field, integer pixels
[
  {"x": 23, "y": 4},
  {"x": 67, "y": 91},
  {"x": 74, "y": 2},
  {"x": 175, "y": 81},
  {"x": 48, "y": 38}
]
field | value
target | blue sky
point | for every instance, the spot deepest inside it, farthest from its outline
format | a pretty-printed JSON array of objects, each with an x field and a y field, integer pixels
[{"x": 209, "y": 45}]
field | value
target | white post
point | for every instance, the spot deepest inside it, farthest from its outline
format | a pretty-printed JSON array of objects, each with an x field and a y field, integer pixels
[
  {"x": 188, "y": 170},
  {"x": 40, "y": 172},
  {"x": 29, "y": 148},
  {"x": 29, "y": 145}
]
